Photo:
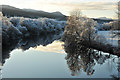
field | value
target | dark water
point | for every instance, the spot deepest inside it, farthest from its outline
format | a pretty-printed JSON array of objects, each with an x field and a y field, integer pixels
[{"x": 45, "y": 56}]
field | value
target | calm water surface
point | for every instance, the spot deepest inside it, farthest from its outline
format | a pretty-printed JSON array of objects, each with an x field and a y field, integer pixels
[{"x": 45, "y": 57}]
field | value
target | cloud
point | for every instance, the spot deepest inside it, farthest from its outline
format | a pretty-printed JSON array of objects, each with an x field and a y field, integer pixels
[
  {"x": 87, "y": 5},
  {"x": 55, "y": 47}
]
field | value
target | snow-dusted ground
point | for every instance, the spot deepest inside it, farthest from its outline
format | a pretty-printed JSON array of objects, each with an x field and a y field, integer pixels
[{"x": 109, "y": 36}]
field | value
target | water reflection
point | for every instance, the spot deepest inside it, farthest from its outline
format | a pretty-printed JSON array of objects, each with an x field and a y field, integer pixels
[
  {"x": 27, "y": 43},
  {"x": 80, "y": 58},
  {"x": 54, "y": 47}
]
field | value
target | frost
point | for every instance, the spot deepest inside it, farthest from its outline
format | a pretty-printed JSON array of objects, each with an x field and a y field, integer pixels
[
  {"x": 113, "y": 25},
  {"x": 17, "y": 27}
]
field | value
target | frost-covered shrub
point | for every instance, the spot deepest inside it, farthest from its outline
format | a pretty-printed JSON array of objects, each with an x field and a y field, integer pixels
[
  {"x": 114, "y": 25},
  {"x": 9, "y": 29},
  {"x": 36, "y": 26},
  {"x": 31, "y": 27},
  {"x": 16, "y": 26},
  {"x": 16, "y": 21},
  {"x": 22, "y": 29},
  {"x": 106, "y": 26},
  {"x": 5, "y": 23},
  {"x": 13, "y": 32}
]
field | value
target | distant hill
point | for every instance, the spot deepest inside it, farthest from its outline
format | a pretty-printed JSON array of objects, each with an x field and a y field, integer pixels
[
  {"x": 103, "y": 20},
  {"x": 12, "y": 11}
]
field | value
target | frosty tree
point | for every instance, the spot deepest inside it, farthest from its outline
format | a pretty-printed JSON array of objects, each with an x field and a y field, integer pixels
[
  {"x": 81, "y": 30},
  {"x": 81, "y": 27}
]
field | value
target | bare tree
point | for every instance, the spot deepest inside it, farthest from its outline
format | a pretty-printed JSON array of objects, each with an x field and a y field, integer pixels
[
  {"x": 81, "y": 27},
  {"x": 119, "y": 10},
  {"x": 116, "y": 24},
  {"x": 76, "y": 13}
]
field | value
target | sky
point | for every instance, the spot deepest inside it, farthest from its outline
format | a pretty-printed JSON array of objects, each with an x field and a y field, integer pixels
[{"x": 89, "y": 8}]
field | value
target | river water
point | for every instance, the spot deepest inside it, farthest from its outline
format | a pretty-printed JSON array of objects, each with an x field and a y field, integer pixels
[{"x": 46, "y": 57}]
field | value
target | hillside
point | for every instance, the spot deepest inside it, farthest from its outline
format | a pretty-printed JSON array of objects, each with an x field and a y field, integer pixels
[{"x": 12, "y": 11}]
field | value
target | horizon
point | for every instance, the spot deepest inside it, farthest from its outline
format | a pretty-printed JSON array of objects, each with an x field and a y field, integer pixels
[{"x": 89, "y": 8}]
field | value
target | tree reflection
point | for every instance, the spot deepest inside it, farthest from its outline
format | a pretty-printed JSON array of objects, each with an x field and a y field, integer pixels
[
  {"x": 27, "y": 43},
  {"x": 80, "y": 58}
]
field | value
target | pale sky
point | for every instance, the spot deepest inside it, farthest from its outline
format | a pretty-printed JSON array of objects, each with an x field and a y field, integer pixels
[{"x": 90, "y": 8}]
